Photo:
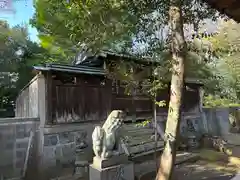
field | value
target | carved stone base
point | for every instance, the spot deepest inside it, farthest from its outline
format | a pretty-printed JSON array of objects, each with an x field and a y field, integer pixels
[
  {"x": 114, "y": 160},
  {"x": 117, "y": 172}
]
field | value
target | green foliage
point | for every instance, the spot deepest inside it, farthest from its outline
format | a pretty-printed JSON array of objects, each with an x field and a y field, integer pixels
[
  {"x": 144, "y": 123},
  {"x": 18, "y": 55},
  {"x": 216, "y": 101},
  {"x": 161, "y": 103},
  {"x": 140, "y": 29},
  {"x": 148, "y": 121},
  {"x": 227, "y": 65},
  {"x": 63, "y": 25},
  {"x": 15, "y": 65}
]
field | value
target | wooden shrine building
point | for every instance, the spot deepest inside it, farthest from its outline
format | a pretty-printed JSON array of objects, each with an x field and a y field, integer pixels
[{"x": 84, "y": 93}]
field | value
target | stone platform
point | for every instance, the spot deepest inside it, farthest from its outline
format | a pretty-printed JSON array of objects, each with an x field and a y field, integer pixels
[{"x": 115, "y": 168}]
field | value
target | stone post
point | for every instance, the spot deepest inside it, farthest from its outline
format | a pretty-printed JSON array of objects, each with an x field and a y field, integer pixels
[
  {"x": 110, "y": 162},
  {"x": 222, "y": 121},
  {"x": 114, "y": 168}
]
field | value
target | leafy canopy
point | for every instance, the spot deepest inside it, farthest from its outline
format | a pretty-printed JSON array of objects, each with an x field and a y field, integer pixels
[
  {"x": 18, "y": 55},
  {"x": 101, "y": 24},
  {"x": 227, "y": 44},
  {"x": 139, "y": 28}
]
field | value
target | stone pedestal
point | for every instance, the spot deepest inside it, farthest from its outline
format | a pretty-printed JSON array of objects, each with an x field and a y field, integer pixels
[
  {"x": 115, "y": 168},
  {"x": 82, "y": 163}
]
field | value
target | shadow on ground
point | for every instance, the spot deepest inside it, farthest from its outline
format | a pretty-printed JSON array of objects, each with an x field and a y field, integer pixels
[
  {"x": 200, "y": 170},
  {"x": 203, "y": 170}
]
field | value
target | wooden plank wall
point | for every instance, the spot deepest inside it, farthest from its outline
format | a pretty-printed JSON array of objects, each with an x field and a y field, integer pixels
[
  {"x": 137, "y": 107},
  {"x": 22, "y": 103},
  {"x": 89, "y": 99},
  {"x": 86, "y": 100},
  {"x": 79, "y": 103},
  {"x": 27, "y": 100}
]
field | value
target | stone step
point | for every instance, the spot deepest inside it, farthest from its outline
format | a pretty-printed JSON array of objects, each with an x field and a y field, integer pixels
[{"x": 144, "y": 147}]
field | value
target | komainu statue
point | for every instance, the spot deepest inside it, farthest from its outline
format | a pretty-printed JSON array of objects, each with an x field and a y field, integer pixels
[{"x": 105, "y": 138}]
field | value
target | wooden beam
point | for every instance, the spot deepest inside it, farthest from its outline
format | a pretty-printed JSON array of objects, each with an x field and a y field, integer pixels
[
  {"x": 228, "y": 7},
  {"x": 224, "y": 4},
  {"x": 49, "y": 91}
]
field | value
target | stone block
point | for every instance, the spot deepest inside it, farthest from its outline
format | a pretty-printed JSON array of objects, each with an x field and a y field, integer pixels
[
  {"x": 8, "y": 136},
  {"x": 84, "y": 155},
  {"x": 20, "y": 154},
  {"x": 206, "y": 142},
  {"x": 82, "y": 172},
  {"x": 68, "y": 148},
  {"x": 104, "y": 163},
  {"x": 66, "y": 153},
  {"x": 7, "y": 171},
  {"x": 66, "y": 137},
  {"x": 123, "y": 171},
  {"x": 9, "y": 145},
  {"x": 28, "y": 129},
  {"x": 20, "y": 134},
  {"x": 21, "y": 131},
  {"x": 51, "y": 140},
  {"x": 81, "y": 138},
  {"x": 20, "y": 127},
  {"x": 49, "y": 156},
  {"x": 6, "y": 157},
  {"x": 22, "y": 144},
  {"x": 222, "y": 117},
  {"x": 81, "y": 168},
  {"x": 19, "y": 164},
  {"x": 9, "y": 129},
  {"x": 1, "y": 136}
]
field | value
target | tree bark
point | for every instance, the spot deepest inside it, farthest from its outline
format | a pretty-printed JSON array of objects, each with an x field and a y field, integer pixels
[
  {"x": 238, "y": 119},
  {"x": 178, "y": 48}
]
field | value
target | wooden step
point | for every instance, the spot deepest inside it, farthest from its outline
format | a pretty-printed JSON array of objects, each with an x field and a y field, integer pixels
[{"x": 144, "y": 147}]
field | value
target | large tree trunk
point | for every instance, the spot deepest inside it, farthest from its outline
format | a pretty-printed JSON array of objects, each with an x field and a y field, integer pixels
[{"x": 178, "y": 48}]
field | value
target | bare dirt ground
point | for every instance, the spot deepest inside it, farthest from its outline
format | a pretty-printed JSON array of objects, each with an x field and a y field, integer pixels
[
  {"x": 204, "y": 170},
  {"x": 212, "y": 166}
]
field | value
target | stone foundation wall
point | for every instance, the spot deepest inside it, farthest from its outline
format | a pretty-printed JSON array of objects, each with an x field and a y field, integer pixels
[
  {"x": 59, "y": 148},
  {"x": 191, "y": 124},
  {"x": 235, "y": 120},
  {"x": 14, "y": 138},
  {"x": 54, "y": 155},
  {"x": 57, "y": 144},
  {"x": 216, "y": 121}
]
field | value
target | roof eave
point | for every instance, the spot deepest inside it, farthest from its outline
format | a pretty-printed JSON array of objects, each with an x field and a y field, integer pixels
[
  {"x": 70, "y": 69},
  {"x": 230, "y": 8}
]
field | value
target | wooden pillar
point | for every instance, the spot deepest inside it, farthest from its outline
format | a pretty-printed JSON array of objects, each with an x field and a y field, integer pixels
[
  {"x": 204, "y": 128},
  {"x": 49, "y": 119},
  {"x": 109, "y": 96},
  {"x": 201, "y": 96},
  {"x": 134, "y": 111},
  {"x": 42, "y": 99}
]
